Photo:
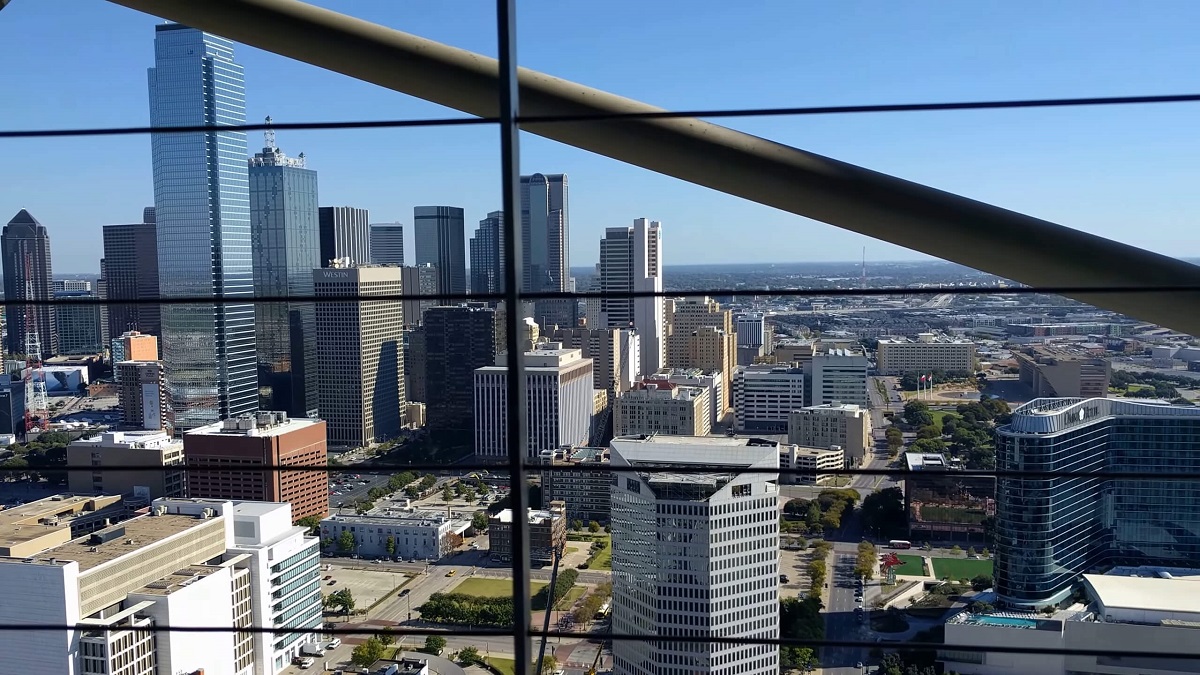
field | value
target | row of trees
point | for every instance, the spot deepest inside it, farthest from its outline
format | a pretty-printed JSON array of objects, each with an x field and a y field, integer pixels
[
  {"x": 592, "y": 526},
  {"x": 562, "y": 585},
  {"x": 817, "y": 569},
  {"x": 468, "y": 610},
  {"x": 822, "y": 514},
  {"x": 587, "y": 608},
  {"x": 868, "y": 558},
  {"x": 883, "y": 513}
]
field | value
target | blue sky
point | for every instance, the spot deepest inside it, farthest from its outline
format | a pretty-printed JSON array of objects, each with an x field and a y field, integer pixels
[{"x": 1125, "y": 172}]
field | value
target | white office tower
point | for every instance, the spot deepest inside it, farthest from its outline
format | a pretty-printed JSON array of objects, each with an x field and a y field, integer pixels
[
  {"x": 631, "y": 261},
  {"x": 839, "y": 375},
  {"x": 561, "y": 401},
  {"x": 764, "y": 395},
  {"x": 695, "y": 554},
  {"x": 190, "y": 562}
]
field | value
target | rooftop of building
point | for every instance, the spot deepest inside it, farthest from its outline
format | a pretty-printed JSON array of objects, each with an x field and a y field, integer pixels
[
  {"x": 383, "y": 515},
  {"x": 770, "y": 369},
  {"x": 815, "y": 452},
  {"x": 536, "y": 516},
  {"x": 836, "y": 405},
  {"x": 125, "y": 537},
  {"x": 1150, "y": 589},
  {"x": 1052, "y": 415},
  {"x": 1061, "y": 351},
  {"x": 924, "y": 338},
  {"x": 576, "y": 455},
  {"x": 842, "y": 352},
  {"x": 686, "y": 373},
  {"x": 29, "y": 521},
  {"x": 265, "y": 423},
  {"x": 177, "y": 580},
  {"x": 926, "y": 461},
  {"x": 130, "y": 439}
]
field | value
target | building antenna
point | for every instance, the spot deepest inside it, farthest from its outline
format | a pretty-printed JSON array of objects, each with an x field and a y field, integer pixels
[{"x": 269, "y": 135}]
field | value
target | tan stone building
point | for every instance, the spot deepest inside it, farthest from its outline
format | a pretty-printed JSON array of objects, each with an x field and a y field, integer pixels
[
  {"x": 660, "y": 407},
  {"x": 109, "y": 453},
  {"x": 845, "y": 425}
]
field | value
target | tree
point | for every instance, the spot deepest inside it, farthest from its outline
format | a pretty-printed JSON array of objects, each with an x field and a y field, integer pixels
[
  {"x": 934, "y": 446},
  {"x": 479, "y": 521},
  {"x": 469, "y": 656},
  {"x": 549, "y": 664},
  {"x": 562, "y": 585},
  {"x": 980, "y": 607},
  {"x": 385, "y": 639},
  {"x": 929, "y": 431},
  {"x": 367, "y": 652},
  {"x": 883, "y": 513},
  {"x": 346, "y": 541},
  {"x": 981, "y": 582},
  {"x": 956, "y": 549},
  {"x": 799, "y": 658},
  {"x": 593, "y": 527},
  {"x": 313, "y": 523},
  {"x": 576, "y": 525},
  {"x": 971, "y": 551},
  {"x": 917, "y": 414},
  {"x": 434, "y": 644},
  {"x": 342, "y": 601},
  {"x": 389, "y": 545},
  {"x": 446, "y": 495}
]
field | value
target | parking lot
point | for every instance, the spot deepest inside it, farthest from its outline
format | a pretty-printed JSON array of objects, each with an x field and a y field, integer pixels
[{"x": 365, "y": 584}]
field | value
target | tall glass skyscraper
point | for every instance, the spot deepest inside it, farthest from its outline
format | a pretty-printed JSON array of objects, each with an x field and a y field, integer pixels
[
  {"x": 1049, "y": 530},
  {"x": 202, "y": 210},
  {"x": 545, "y": 246},
  {"x": 439, "y": 241},
  {"x": 287, "y": 248},
  {"x": 487, "y": 258}
]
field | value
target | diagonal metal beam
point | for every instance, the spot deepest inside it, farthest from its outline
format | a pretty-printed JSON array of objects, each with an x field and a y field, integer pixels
[{"x": 982, "y": 236}]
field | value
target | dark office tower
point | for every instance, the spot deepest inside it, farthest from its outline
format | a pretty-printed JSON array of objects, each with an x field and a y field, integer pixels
[
  {"x": 25, "y": 246},
  {"x": 102, "y": 294},
  {"x": 545, "y": 229},
  {"x": 345, "y": 233},
  {"x": 439, "y": 242},
  {"x": 78, "y": 324},
  {"x": 283, "y": 227},
  {"x": 458, "y": 340},
  {"x": 1051, "y": 529},
  {"x": 131, "y": 273},
  {"x": 422, "y": 284},
  {"x": 487, "y": 261},
  {"x": 202, "y": 212},
  {"x": 387, "y": 244}
]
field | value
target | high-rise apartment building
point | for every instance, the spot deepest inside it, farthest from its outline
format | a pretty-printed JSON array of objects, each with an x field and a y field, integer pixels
[
  {"x": 285, "y": 231},
  {"x": 559, "y": 386},
  {"x": 439, "y": 242},
  {"x": 765, "y": 395},
  {"x": 929, "y": 352},
  {"x": 631, "y": 262},
  {"x": 28, "y": 275},
  {"x": 845, "y": 425},
  {"x": 188, "y": 562},
  {"x": 202, "y": 214},
  {"x": 458, "y": 339},
  {"x": 345, "y": 233},
  {"x": 707, "y": 543},
  {"x": 78, "y": 324},
  {"x": 545, "y": 234},
  {"x": 487, "y": 255},
  {"x": 142, "y": 395},
  {"x": 420, "y": 281},
  {"x": 838, "y": 375},
  {"x": 112, "y": 455},
  {"x": 700, "y": 335},
  {"x": 226, "y": 448},
  {"x": 387, "y": 244},
  {"x": 1049, "y": 530},
  {"x": 660, "y": 407},
  {"x": 131, "y": 273},
  {"x": 360, "y": 359}
]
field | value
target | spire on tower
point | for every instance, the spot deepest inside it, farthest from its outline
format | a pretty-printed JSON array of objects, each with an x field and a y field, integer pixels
[{"x": 269, "y": 135}]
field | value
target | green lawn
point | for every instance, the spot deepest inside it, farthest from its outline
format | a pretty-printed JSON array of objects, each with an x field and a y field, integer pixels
[
  {"x": 960, "y": 568},
  {"x": 601, "y": 560},
  {"x": 939, "y": 416},
  {"x": 912, "y": 565},
  {"x": 505, "y": 666},
  {"x": 481, "y": 587},
  {"x": 571, "y": 598}
]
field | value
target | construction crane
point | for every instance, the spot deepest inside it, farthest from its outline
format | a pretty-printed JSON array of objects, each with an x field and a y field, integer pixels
[{"x": 37, "y": 413}]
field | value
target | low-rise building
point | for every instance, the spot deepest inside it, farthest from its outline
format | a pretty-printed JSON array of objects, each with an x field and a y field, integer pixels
[
  {"x": 1131, "y": 609},
  {"x": 45, "y": 523},
  {"x": 929, "y": 352},
  {"x": 110, "y": 454},
  {"x": 845, "y": 425},
  {"x": 580, "y": 480},
  {"x": 661, "y": 407},
  {"x": 814, "y": 466},
  {"x": 547, "y": 533},
  {"x": 390, "y": 533},
  {"x": 1052, "y": 372}
]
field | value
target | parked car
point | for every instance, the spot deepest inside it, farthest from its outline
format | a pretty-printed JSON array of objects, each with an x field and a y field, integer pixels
[
  {"x": 307, "y": 662},
  {"x": 334, "y": 643}
]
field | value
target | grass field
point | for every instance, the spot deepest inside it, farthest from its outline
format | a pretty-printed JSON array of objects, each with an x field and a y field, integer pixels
[
  {"x": 939, "y": 416},
  {"x": 570, "y": 598},
  {"x": 505, "y": 666},
  {"x": 912, "y": 565},
  {"x": 960, "y": 568},
  {"x": 601, "y": 560},
  {"x": 481, "y": 587}
]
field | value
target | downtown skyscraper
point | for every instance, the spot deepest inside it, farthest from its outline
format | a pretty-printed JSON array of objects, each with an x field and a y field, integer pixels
[
  {"x": 131, "y": 273},
  {"x": 439, "y": 242},
  {"x": 387, "y": 244},
  {"x": 345, "y": 233},
  {"x": 545, "y": 228},
  {"x": 631, "y": 261},
  {"x": 25, "y": 246},
  {"x": 487, "y": 258},
  {"x": 202, "y": 213},
  {"x": 287, "y": 248}
]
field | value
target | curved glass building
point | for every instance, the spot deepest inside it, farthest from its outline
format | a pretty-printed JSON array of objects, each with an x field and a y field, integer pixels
[{"x": 1049, "y": 530}]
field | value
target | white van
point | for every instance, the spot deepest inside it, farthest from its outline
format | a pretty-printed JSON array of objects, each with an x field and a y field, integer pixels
[{"x": 307, "y": 662}]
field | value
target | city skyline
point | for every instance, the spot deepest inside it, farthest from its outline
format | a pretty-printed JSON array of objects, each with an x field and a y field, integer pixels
[{"x": 982, "y": 154}]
